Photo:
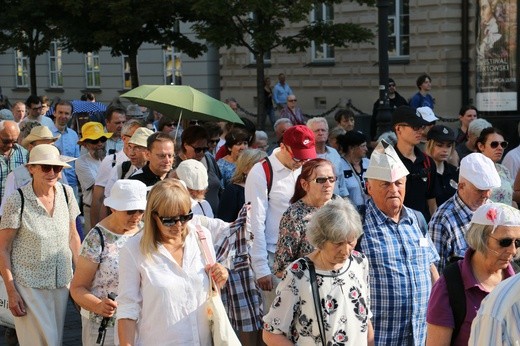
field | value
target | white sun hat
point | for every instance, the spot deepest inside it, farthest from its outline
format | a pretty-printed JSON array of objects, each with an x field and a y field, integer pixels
[
  {"x": 48, "y": 154},
  {"x": 127, "y": 194},
  {"x": 385, "y": 164}
]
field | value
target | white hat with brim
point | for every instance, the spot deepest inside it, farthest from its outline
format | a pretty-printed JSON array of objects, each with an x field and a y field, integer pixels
[
  {"x": 496, "y": 214},
  {"x": 193, "y": 173},
  {"x": 479, "y": 170},
  {"x": 385, "y": 164},
  {"x": 140, "y": 136},
  {"x": 426, "y": 113},
  {"x": 127, "y": 194},
  {"x": 39, "y": 133},
  {"x": 48, "y": 154}
]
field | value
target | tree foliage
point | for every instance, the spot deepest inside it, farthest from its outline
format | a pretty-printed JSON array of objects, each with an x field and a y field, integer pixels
[
  {"x": 123, "y": 26},
  {"x": 27, "y": 26},
  {"x": 264, "y": 25}
]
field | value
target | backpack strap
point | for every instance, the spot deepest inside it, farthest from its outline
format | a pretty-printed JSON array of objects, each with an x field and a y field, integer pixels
[
  {"x": 268, "y": 170},
  {"x": 422, "y": 222},
  {"x": 125, "y": 167},
  {"x": 101, "y": 241},
  {"x": 66, "y": 195},
  {"x": 22, "y": 202},
  {"x": 456, "y": 295}
]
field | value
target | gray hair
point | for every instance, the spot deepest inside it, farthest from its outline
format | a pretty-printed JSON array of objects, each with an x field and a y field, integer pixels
[
  {"x": 335, "y": 132},
  {"x": 282, "y": 121},
  {"x": 317, "y": 120},
  {"x": 129, "y": 124},
  {"x": 261, "y": 135},
  {"x": 477, "y": 125},
  {"x": 335, "y": 222},
  {"x": 477, "y": 236}
]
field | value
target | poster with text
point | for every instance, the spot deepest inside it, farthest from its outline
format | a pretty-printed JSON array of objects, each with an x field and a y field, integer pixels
[{"x": 496, "y": 56}]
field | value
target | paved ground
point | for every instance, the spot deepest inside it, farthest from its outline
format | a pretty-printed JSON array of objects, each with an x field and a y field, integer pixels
[{"x": 72, "y": 331}]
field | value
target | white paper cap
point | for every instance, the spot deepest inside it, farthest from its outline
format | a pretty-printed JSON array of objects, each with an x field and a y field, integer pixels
[{"x": 385, "y": 164}]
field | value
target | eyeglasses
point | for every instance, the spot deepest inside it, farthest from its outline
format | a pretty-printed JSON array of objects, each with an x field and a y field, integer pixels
[
  {"x": 323, "y": 180},
  {"x": 199, "y": 149},
  {"x": 48, "y": 168},
  {"x": 171, "y": 124},
  {"x": 495, "y": 144},
  {"x": 132, "y": 212},
  {"x": 9, "y": 141},
  {"x": 291, "y": 100},
  {"x": 96, "y": 141},
  {"x": 415, "y": 128},
  {"x": 213, "y": 141},
  {"x": 506, "y": 242},
  {"x": 391, "y": 84},
  {"x": 169, "y": 221},
  {"x": 36, "y": 108}
]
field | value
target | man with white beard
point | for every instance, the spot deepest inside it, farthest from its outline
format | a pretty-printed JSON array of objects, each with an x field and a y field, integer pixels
[{"x": 94, "y": 139}]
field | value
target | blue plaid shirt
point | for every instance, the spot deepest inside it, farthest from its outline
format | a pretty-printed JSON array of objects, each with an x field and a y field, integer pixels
[
  {"x": 447, "y": 229},
  {"x": 17, "y": 157},
  {"x": 400, "y": 257}
]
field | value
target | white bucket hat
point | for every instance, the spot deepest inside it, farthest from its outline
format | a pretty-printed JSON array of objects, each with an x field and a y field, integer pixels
[
  {"x": 496, "y": 214},
  {"x": 140, "y": 136},
  {"x": 480, "y": 171},
  {"x": 193, "y": 173},
  {"x": 48, "y": 154},
  {"x": 127, "y": 194},
  {"x": 39, "y": 133},
  {"x": 385, "y": 164}
]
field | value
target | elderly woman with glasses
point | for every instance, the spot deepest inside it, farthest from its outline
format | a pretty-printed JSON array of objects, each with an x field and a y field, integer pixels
[
  {"x": 491, "y": 143},
  {"x": 341, "y": 274},
  {"x": 38, "y": 244},
  {"x": 313, "y": 189},
  {"x": 96, "y": 274},
  {"x": 493, "y": 240},
  {"x": 194, "y": 145},
  {"x": 163, "y": 277}
]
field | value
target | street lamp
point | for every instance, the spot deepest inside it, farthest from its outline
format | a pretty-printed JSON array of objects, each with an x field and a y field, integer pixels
[{"x": 384, "y": 116}]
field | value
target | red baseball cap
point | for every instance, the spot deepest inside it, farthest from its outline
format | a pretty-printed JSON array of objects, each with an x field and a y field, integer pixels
[{"x": 301, "y": 140}]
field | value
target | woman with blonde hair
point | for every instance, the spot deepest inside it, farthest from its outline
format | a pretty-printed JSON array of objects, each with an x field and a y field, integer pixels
[
  {"x": 163, "y": 277},
  {"x": 233, "y": 197}
]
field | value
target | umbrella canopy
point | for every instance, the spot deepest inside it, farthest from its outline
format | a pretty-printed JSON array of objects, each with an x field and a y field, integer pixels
[
  {"x": 182, "y": 100},
  {"x": 79, "y": 106}
]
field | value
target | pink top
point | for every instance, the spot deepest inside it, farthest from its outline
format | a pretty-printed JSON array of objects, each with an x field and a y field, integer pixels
[{"x": 439, "y": 309}]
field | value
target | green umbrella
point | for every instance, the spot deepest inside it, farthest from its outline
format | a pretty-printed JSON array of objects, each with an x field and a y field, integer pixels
[{"x": 182, "y": 101}]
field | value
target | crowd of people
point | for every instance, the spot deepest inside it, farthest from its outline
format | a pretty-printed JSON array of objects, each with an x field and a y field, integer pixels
[{"x": 310, "y": 240}]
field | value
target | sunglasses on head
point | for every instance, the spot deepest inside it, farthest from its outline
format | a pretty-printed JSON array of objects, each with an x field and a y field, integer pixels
[
  {"x": 495, "y": 144},
  {"x": 132, "y": 212},
  {"x": 96, "y": 141},
  {"x": 169, "y": 221},
  {"x": 48, "y": 168},
  {"x": 323, "y": 180},
  {"x": 506, "y": 242}
]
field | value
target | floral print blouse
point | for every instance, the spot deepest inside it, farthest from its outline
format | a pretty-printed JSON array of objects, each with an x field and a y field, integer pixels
[
  {"x": 345, "y": 304},
  {"x": 227, "y": 169},
  {"x": 504, "y": 193},
  {"x": 292, "y": 239},
  {"x": 106, "y": 279}
]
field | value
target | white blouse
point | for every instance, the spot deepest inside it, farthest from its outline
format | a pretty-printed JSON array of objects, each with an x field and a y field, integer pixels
[{"x": 167, "y": 300}]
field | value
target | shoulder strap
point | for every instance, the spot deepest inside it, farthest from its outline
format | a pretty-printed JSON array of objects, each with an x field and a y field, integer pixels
[
  {"x": 422, "y": 222},
  {"x": 268, "y": 170},
  {"x": 66, "y": 195},
  {"x": 204, "y": 248},
  {"x": 125, "y": 167},
  {"x": 316, "y": 298},
  {"x": 427, "y": 164},
  {"x": 22, "y": 202},
  {"x": 114, "y": 160},
  {"x": 456, "y": 296},
  {"x": 101, "y": 241}
]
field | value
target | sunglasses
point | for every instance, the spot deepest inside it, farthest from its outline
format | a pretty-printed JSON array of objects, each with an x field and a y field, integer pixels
[
  {"x": 9, "y": 141},
  {"x": 391, "y": 84},
  {"x": 495, "y": 144},
  {"x": 96, "y": 141},
  {"x": 200, "y": 149},
  {"x": 506, "y": 242},
  {"x": 323, "y": 180},
  {"x": 171, "y": 124},
  {"x": 132, "y": 212},
  {"x": 48, "y": 168},
  {"x": 169, "y": 221},
  {"x": 213, "y": 141}
]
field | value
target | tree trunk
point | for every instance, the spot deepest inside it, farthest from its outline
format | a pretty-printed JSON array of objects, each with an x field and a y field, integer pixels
[
  {"x": 134, "y": 75},
  {"x": 32, "y": 67},
  {"x": 260, "y": 96}
]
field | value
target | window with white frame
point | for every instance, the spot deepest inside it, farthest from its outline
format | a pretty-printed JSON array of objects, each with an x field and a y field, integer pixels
[
  {"x": 127, "y": 77},
  {"x": 22, "y": 70},
  {"x": 322, "y": 13},
  {"x": 172, "y": 65},
  {"x": 92, "y": 70},
  {"x": 55, "y": 72},
  {"x": 399, "y": 29}
]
